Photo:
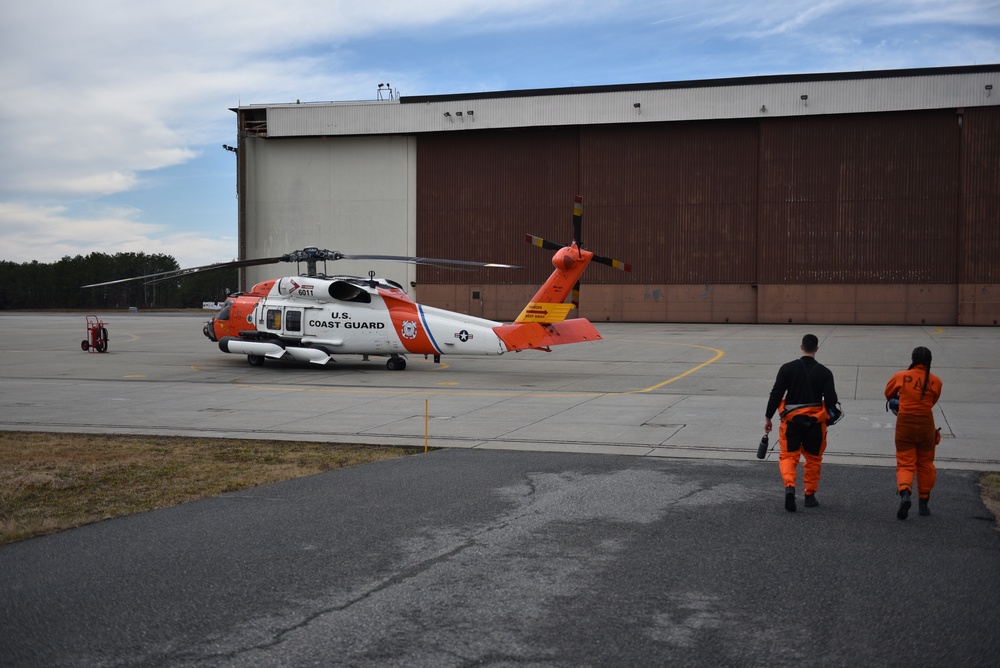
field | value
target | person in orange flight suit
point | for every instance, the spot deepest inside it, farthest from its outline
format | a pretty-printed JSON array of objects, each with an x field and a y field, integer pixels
[
  {"x": 806, "y": 399},
  {"x": 917, "y": 390}
]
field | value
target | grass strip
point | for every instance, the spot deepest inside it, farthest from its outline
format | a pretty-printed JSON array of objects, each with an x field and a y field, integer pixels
[{"x": 50, "y": 482}]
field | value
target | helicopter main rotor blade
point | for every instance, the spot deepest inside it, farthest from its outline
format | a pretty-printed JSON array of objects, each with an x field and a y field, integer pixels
[
  {"x": 177, "y": 273},
  {"x": 437, "y": 262},
  {"x": 308, "y": 255}
]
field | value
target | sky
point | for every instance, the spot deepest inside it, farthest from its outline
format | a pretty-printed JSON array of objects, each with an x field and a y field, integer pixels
[{"x": 115, "y": 112}]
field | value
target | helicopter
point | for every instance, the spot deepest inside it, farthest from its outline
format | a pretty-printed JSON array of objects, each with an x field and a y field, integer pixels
[{"x": 312, "y": 317}]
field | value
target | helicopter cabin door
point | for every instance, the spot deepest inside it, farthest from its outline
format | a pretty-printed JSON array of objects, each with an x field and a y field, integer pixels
[{"x": 283, "y": 320}]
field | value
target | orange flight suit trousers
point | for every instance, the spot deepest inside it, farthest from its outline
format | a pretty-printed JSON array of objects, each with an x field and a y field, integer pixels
[
  {"x": 788, "y": 460},
  {"x": 915, "y": 446}
]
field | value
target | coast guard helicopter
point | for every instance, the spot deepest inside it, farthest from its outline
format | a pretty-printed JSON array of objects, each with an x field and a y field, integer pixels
[{"x": 312, "y": 317}]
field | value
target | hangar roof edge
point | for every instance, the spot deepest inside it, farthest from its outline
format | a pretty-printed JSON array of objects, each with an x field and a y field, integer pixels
[
  {"x": 771, "y": 96},
  {"x": 704, "y": 83}
]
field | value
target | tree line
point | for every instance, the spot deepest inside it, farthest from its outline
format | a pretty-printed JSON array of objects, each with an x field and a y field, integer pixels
[{"x": 58, "y": 285}]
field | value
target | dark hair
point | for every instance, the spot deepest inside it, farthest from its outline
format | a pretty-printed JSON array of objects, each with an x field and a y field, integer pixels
[
  {"x": 922, "y": 355},
  {"x": 810, "y": 343}
]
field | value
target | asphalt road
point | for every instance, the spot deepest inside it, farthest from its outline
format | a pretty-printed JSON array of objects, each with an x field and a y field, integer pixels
[
  {"x": 546, "y": 542},
  {"x": 490, "y": 558}
]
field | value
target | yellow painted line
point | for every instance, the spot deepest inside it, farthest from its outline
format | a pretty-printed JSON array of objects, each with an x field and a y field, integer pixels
[
  {"x": 198, "y": 367},
  {"x": 719, "y": 354},
  {"x": 134, "y": 376}
]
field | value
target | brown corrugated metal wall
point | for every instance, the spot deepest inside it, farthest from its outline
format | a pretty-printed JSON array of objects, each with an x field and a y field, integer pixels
[
  {"x": 867, "y": 198},
  {"x": 906, "y": 201},
  {"x": 479, "y": 193},
  {"x": 676, "y": 200},
  {"x": 979, "y": 246}
]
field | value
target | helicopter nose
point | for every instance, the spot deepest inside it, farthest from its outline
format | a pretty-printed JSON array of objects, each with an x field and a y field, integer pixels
[{"x": 209, "y": 330}]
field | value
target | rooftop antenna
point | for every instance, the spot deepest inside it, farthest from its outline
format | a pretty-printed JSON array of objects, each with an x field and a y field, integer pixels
[{"x": 386, "y": 88}]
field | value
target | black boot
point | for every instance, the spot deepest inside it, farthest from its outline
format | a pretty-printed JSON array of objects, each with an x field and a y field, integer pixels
[
  {"x": 904, "y": 504},
  {"x": 811, "y": 501},
  {"x": 922, "y": 505},
  {"x": 790, "y": 499}
]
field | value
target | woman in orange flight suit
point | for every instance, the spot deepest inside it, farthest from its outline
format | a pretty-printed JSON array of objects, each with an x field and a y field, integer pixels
[{"x": 916, "y": 438}]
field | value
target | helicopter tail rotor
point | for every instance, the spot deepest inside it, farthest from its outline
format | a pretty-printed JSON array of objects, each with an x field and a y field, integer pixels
[{"x": 578, "y": 244}]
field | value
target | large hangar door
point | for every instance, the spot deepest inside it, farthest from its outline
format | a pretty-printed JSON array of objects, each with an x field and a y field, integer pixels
[
  {"x": 355, "y": 195},
  {"x": 478, "y": 194}
]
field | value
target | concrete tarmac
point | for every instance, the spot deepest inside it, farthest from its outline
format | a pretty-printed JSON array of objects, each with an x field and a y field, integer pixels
[
  {"x": 657, "y": 390},
  {"x": 599, "y": 505}
]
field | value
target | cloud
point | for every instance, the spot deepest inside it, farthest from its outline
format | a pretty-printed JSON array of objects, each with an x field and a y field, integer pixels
[
  {"x": 809, "y": 16},
  {"x": 94, "y": 92},
  {"x": 98, "y": 98},
  {"x": 110, "y": 231}
]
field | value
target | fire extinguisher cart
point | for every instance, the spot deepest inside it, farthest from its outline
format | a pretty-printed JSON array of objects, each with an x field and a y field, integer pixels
[{"x": 97, "y": 336}]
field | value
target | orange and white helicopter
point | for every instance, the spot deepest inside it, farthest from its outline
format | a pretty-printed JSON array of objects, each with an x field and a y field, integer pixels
[{"x": 314, "y": 317}]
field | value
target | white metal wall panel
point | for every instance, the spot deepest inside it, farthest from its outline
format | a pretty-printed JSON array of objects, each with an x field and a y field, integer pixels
[
  {"x": 356, "y": 195},
  {"x": 896, "y": 93}
]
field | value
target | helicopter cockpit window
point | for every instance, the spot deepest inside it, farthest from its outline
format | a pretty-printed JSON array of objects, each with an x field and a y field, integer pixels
[
  {"x": 293, "y": 321},
  {"x": 274, "y": 318},
  {"x": 224, "y": 313}
]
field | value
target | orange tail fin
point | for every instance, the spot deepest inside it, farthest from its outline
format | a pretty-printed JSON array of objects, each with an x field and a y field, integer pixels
[{"x": 543, "y": 322}]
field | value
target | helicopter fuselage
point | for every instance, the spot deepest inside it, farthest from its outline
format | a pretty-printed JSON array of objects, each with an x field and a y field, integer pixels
[{"x": 315, "y": 318}]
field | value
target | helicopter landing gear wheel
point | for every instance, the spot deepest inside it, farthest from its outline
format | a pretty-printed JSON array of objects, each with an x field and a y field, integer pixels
[
  {"x": 396, "y": 364},
  {"x": 255, "y": 360}
]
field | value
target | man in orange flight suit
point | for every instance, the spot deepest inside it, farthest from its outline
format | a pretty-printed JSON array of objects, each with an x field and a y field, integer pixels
[
  {"x": 805, "y": 397},
  {"x": 917, "y": 390}
]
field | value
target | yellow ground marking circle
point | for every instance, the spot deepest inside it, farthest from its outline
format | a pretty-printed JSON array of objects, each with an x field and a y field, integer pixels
[{"x": 719, "y": 354}]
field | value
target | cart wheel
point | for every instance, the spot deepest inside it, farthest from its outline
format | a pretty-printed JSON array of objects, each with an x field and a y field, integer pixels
[
  {"x": 84, "y": 345},
  {"x": 102, "y": 340}
]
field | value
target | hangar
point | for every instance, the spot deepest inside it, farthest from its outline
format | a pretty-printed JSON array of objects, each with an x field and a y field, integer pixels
[{"x": 856, "y": 198}]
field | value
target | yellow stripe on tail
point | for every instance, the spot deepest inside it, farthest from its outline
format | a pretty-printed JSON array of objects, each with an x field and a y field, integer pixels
[{"x": 542, "y": 312}]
